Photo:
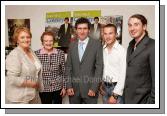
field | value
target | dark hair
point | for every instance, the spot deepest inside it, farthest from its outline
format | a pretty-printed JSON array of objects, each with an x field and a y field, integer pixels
[
  {"x": 111, "y": 25},
  {"x": 82, "y": 21},
  {"x": 47, "y": 33},
  {"x": 142, "y": 19},
  {"x": 96, "y": 18},
  {"x": 66, "y": 18}
]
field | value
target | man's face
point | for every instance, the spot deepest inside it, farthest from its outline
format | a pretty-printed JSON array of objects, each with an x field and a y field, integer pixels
[
  {"x": 136, "y": 28},
  {"x": 96, "y": 21},
  {"x": 82, "y": 31},
  {"x": 66, "y": 21},
  {"x": 109, "y": 35}
]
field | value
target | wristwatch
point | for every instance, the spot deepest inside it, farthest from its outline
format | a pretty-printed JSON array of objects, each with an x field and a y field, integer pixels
[{"x": 115, "y": 96}]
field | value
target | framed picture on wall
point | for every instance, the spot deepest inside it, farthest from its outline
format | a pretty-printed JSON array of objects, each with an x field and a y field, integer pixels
[{"x": 12, "y": 25}]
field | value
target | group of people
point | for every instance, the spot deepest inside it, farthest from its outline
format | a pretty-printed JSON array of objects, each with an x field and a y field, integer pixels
[{"x": 119, "y": 75}]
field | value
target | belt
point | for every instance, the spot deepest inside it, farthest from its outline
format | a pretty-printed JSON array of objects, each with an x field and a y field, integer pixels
[{"x": 109, "y": 84}]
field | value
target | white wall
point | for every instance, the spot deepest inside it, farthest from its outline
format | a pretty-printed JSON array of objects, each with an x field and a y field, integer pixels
[{"x": 37, "y": 13}]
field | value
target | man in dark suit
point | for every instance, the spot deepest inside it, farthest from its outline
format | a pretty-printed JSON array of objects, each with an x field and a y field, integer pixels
[
  {"x": 84, "y": 66},
  {"x": 64, "y": 33},
  {"x": 95, "y": 29},
  {"x": 140, "y": 74}
]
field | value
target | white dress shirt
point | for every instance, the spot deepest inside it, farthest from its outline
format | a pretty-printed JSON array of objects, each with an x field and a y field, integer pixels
[
  {"x": 66, "y": 26},
  {"x": 115, "y": 66},
  {"x": 95, "y": 27}
]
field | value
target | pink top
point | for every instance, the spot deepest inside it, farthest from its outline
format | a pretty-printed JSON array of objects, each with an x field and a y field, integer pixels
[{"x": 43, "y": 51}]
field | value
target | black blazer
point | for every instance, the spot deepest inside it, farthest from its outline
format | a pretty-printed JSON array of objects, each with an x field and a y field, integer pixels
[
  {"x": 64, "y": 37},
  {"x": 140, "y": 73}
]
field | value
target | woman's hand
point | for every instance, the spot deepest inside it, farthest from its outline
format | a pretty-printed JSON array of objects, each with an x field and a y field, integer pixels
[
  {"x": 63, "y": 92},
  {"x": 31, "y": 84}
]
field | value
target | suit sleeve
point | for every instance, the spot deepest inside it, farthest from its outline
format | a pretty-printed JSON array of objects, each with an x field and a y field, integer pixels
[
  {"x": 13, "y": 67},
  {"x": 151, "y": 98},
  {"x": 68, "y": 69},
  {"x": 98, "y": 68}
]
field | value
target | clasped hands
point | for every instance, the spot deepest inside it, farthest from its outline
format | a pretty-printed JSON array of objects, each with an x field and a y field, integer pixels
[{"x": 111, "y": 99}]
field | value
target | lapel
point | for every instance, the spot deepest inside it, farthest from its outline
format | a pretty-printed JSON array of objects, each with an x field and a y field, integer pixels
[
  {"x": 138, "y": 50},
  {"x": 28, "y": 63},
  {"x": 63, "y": 26},
  {"x": 76, "y": 51},
  {"x": 130, "y": 48},
  {"x": 68, "y": 26},
  {"x": 88, "y": 47}
]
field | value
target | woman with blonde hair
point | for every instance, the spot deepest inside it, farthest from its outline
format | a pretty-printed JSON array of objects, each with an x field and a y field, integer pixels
[{"x": 23, "y": 78}]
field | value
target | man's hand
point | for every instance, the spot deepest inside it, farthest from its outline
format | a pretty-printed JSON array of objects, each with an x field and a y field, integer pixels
[
  {"x": 91, "y": 93},
  {"x": 70, "y": 92},
  {"x": 111, "y": 100}
]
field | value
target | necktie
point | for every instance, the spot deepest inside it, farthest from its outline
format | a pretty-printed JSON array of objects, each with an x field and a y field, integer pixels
[
  {"x": 133, "y": 48},
  {"x": 81, "y": 50}
]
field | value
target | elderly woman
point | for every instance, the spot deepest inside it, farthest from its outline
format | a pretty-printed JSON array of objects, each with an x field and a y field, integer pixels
[
  {"x": 53, "y": 71},
  {"x": 23, "y": 71}
]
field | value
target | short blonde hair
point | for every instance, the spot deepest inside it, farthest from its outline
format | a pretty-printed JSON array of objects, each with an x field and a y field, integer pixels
[{"x": 17, "y": 32}]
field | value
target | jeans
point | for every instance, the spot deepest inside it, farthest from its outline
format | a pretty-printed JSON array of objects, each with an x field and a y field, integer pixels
[{"x": 108, "y": 89}]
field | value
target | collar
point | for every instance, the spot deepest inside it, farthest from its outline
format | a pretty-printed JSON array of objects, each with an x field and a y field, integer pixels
[
  {"x": 116, "y": 44},
  {"x": 43, "y": 51},
  {"x": 132, "y": 43},
  {"x": 84, "y": 41},
  {"x": 140, "y": 40}
]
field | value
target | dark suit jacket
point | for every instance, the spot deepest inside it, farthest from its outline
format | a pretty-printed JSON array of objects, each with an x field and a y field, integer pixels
[
  {"x": 140, "y": 74},
  {"x": 86, "y": 74},
  {"x": 64, "y": 40},
  {"x": 97, "y": 34}
]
